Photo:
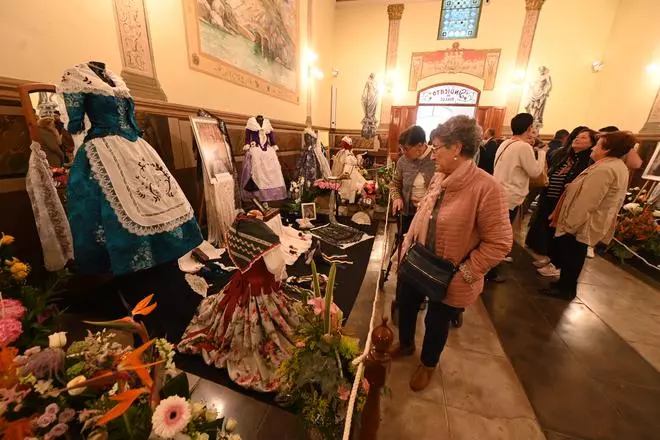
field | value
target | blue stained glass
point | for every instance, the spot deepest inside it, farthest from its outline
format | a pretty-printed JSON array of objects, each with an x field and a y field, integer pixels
[{"x": 459, "y": 19}]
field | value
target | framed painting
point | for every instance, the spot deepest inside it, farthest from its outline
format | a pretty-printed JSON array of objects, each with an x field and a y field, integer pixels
[
  {"x": 213, "y": 146},
  {"x": 652, "y": 171},
  {"x": 254, "y": 44}
]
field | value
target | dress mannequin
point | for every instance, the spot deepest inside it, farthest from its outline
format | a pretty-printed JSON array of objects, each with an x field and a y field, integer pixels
[
  {"x": 345, "y": 164},
  {"x": 261, "y": 176},
  {"x": 312, "y": 163}
]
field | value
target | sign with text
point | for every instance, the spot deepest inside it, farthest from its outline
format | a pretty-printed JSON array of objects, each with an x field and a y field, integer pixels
[{"x": 449, "y": 94}]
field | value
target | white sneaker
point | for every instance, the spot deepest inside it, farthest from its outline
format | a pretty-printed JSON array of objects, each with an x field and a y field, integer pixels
[
  {"x": 549, "y": 271},
  {"x": 590, "y": 252},
  {"x": 541, "y": 262}
]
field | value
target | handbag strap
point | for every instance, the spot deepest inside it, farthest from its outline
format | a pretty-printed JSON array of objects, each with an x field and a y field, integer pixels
[{"x": 505, "y": 148}]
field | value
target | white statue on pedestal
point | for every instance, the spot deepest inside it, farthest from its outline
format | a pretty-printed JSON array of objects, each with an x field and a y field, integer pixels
[{"x": 538, "y": 94}]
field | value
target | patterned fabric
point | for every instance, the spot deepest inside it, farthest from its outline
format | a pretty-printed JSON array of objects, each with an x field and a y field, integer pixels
[
  {"x": 126, "y": 211},
  {"x": 248, "y": 240},
  {"x": 261, "y": 176},
  {"x": 100, "y": 241},
  {"x": 247, "y": 328},
  {"x": 49, "y": 216}
]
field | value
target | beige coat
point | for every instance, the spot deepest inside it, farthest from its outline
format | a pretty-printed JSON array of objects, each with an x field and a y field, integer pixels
[{"x": 592, "y": 202}]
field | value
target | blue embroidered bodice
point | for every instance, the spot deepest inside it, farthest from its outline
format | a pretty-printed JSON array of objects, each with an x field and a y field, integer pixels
[{"x": 109, "y": 115}]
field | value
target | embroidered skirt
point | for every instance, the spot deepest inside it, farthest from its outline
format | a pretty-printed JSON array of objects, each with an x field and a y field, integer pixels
[
  {"x": 101, "y": 241},
  {"x": 247, "y": 328}
]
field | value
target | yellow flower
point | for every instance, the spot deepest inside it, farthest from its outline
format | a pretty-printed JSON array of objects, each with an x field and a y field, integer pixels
[
  {"x": 18, "y": 267},
  {"x": 19, "y": 276},
  {"x": 10, "y": 263},
  {"x": 6, "y": 240}
]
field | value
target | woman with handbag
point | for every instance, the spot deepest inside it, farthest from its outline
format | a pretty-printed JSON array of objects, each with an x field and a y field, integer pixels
[
  {"x": 460, "y": 231},
  {"x": 566, "y": 167},
  {"x": 587, "y": 211}
]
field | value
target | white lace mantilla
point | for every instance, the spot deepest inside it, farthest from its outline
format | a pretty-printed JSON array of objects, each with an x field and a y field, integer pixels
[
  {"x": 52, "y": 224},
  {"x": 138, "y": 185},
  {"x": 82, "y": 79},
  {"x": 220, "y": 206}
]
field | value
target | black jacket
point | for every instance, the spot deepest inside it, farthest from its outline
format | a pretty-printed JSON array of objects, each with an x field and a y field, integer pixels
[{"x": 487, "y": 157}]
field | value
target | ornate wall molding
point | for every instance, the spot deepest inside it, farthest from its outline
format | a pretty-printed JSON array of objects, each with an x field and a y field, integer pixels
[
  {"x": 522, "y": 59},
  {"x": 482, "y": 63},
  {"x": 652, "y": 124},
  {"x": 139, "y": 69},
  {"x": 394, "y": 13}
]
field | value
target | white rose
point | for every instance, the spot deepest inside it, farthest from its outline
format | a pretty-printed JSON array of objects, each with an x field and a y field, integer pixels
[
  {"x": 57, "y": 340},
  {"x": 231, "y": 425},
  {"x": 211, "y": 415},
  {"x": 198, "y": 409},
  {"x": 633, "y": 207},
  {"x": 75, "y": 381}
]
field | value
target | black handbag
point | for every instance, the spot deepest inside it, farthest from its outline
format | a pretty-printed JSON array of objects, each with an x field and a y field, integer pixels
[{"x": 427, "y": 272}]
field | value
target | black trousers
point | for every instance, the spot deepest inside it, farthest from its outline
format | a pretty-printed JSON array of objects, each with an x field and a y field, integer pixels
[
  {"x": 437, "y": 323},
  {"x": 569, "y": 256}
]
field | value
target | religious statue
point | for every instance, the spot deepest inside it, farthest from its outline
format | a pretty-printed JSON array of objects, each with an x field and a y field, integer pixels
[
  {"x": 539, "y": 92},
  {"x": 369, "y": 104}
]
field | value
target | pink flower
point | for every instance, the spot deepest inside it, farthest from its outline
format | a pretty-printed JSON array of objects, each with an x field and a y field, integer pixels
[
  {"x": 46, "y": 420},
  {"x": 365, "y": 386},
  {"x": 11, "y": 308},
  {"x": 344, "y": 392},
  {"x": 10, "y": 330},
  {"x": 171, "y": 416},
  {"x": 67, "y": 415},
  {"x": 319, "y": 308},
  {"x": 300, "y": 344},
  {"x": 52, "y": 409},
  {"x": 58, "y": 430}
]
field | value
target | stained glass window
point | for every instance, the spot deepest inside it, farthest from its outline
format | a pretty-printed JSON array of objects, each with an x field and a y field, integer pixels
[{"x": 459, "y": 19}]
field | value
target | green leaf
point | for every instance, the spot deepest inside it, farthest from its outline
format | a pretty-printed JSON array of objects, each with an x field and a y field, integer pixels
[
  {"x": 329, "y": 289},
  {"x": 315, "y": 281},
  {"x": 177, "y": 386}
]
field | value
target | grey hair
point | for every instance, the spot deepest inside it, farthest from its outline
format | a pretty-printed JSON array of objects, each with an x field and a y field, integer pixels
[{"x": 462, "y": 130}]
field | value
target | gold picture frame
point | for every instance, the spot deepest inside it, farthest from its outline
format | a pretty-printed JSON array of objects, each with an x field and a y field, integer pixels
[{"x": 232, "y": 47}]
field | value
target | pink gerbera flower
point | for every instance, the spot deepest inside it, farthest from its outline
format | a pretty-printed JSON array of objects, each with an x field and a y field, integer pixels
[{"x": 171, "y": 416}]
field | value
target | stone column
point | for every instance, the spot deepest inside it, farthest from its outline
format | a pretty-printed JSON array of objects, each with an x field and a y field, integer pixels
[
  {"x": 139, "y": 69},
  {"x": 310, "y": 79},
  {"x": 522, "y": 59},
  {"x": 394, "y": 13},
  {"x": 652, "y": 124}
]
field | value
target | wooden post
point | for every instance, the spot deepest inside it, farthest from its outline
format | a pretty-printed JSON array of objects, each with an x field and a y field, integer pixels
[{"x": 375, "y": 372}]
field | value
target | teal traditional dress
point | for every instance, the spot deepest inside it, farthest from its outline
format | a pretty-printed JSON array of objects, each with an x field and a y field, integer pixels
[{"x": 127, "y": 212}]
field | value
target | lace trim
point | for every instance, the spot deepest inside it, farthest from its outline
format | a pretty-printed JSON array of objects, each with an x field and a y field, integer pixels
[
  {"x": 122, "y": 93},
  {"x": 111, "y": 196},
  {"x": 52, "y": 224}
]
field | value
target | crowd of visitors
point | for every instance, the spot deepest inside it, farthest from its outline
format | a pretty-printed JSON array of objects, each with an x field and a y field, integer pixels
[{"x": 459, "y": 196}]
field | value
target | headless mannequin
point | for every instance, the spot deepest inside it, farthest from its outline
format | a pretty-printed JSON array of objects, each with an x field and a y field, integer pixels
[
  {"x": 99, "y": 69},
  {"x": 260, "y": 120}
]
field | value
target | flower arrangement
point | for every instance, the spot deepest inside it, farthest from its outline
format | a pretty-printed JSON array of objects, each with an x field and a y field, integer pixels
[
  {"x": 325, "y": 185},
  {"x": 318, "y": 378},
  {"x": 99, "y": 389},
  {"x": 38, "y": 311},
  {"x": 383, "y": 178},
  {"x": 61, "y": 180},
  {"x": 637, "y": 226}
]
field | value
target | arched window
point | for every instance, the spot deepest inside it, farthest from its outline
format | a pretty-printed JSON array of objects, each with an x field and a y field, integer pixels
[{"x": 459, "y": 19}]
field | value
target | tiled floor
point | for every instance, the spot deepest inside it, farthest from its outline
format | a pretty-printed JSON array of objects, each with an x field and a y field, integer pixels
[{"x": 474, "y": 394}]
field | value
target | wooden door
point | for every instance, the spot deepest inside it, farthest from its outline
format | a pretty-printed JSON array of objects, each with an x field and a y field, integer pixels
[
  {"x": 491, "y": 117},
  {"x": 402, "y": 117}
]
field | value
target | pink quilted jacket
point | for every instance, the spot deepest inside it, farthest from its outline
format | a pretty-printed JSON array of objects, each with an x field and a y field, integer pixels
[{"x": 473, "y": 218}]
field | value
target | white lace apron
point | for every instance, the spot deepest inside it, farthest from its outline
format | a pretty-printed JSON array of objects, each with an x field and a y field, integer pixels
[{"x": 138, "y": 185}]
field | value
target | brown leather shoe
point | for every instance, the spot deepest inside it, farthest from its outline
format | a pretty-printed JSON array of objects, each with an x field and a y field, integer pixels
[
  {"x": 421, "y": 378},
  {"x": 397, "y": 351}
]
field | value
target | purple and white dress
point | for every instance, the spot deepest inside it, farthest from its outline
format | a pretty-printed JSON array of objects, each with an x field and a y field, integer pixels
[{"x": 261, "y": 177}]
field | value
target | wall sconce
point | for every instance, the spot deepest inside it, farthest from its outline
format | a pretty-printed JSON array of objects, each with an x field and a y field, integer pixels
[
  {"x": 596, "y": 66},
  {"x": 653, "y": 69},
  {"x": 518, "y": 79},
  {"x": 313, "y": 71}
]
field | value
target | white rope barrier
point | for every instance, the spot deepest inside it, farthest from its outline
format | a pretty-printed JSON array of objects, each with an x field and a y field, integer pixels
[
  {"x": 637, "y": 255},
  {"x": 359, "y": 361}
]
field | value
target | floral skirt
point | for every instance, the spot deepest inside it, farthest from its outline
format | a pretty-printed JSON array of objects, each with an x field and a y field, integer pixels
[{"x": 247, "y": 328}]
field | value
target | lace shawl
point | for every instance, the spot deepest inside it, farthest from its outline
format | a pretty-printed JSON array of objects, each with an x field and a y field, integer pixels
[{"x": 52, "y": 224}]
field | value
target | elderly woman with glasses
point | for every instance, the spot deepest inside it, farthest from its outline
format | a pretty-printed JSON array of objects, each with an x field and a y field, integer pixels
[{"x": 462, "y": 218}]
